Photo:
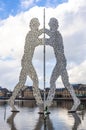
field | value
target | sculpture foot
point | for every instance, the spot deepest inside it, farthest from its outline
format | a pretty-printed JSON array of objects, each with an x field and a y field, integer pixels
[
  {"x": 14, "y": 109},
  {"x": 11, "y": 103},
  {"x": 42, "y": 112},
  {"x": 75, "y": 106},
  {"x": 71, "y": 111}
]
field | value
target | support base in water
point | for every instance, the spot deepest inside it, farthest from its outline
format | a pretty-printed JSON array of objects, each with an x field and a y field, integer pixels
[
  {"x": 47, "y": 113},
  {"x": 15, "y": 111},
  {"x": 70, "y": 111}
]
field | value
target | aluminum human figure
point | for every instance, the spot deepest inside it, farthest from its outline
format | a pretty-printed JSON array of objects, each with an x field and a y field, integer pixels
[
  {"x": 56, "y": 42},
  {"x": 32, "y": 40}
]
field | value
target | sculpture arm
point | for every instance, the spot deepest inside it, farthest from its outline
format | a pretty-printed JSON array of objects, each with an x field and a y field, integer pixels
[
  {"x": 48, "y": 40},
  {"x": 40, "y": 40},
  {"x": 41, "y": 31},
  {"x": 60, "y": 43},
  {"x": 47, "y": 32},
  {"x": 26, "y": 46}
]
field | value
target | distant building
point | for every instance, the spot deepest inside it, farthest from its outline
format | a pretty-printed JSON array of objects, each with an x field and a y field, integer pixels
[
  {"x": 80, "y": 90},
  {"x": 28, "y": 92},
  {"x": 1, "y": 93},
  {"x": 4, "y": 92}
]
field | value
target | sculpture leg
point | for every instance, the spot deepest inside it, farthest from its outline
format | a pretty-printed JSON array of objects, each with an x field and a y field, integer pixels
[
  {"x": 66, "y": 83},
  {"x": 37, "y": 94},
  {"x": 54, "y": 77},
  {"x": 36, "y": 91},
  {"x": 18, "y": 87}
]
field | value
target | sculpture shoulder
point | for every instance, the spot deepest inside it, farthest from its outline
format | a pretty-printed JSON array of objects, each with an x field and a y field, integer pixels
[
  {"x": 28, "y": 34},
  {"x": 31, "y": 36}
]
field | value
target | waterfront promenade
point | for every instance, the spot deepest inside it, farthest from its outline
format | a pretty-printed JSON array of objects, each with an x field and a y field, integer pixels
[{"x": 55, "y": 99}]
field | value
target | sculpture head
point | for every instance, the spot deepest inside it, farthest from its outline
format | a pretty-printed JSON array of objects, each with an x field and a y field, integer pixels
[
  {"x": 53, "y": 23},
  {"x": 34, "y": 23}
]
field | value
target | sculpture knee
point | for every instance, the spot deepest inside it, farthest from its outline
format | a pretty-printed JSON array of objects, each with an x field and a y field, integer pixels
[
  {"x": 18, "y": 86},
  {"x": 35, "y": 81},
  {"x": 52, "y": 82}
]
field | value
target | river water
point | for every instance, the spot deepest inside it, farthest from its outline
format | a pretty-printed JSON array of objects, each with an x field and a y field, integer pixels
[{"x": 29, "y": 119}]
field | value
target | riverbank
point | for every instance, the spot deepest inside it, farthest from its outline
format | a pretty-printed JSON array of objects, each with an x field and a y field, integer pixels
[{"x": 68, "y": 99}]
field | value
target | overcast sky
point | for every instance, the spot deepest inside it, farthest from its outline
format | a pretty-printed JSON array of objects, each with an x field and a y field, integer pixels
[{"x": 15, "y": 16}]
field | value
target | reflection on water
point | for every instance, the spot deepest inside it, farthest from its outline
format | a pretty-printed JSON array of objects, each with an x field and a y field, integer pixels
[
  {"x": 29, "y": 119},
  {"x": 10, "y": 121},
  {"x": 77, "y": 121},
  {"x": 45, "y": 123}
]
